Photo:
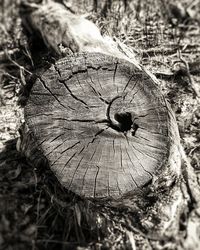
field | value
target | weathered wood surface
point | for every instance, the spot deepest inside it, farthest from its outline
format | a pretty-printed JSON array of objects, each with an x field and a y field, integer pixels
[{"x": 103, "y": 125}]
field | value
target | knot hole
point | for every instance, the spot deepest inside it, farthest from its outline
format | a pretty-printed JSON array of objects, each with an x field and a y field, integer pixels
[{"x": 125, "y": 122}]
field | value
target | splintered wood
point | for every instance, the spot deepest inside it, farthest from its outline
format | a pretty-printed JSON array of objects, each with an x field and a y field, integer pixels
[{"x": 103, "y": 125}]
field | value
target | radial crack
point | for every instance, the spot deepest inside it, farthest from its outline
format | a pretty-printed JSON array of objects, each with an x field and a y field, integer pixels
[
  {"x": 127, "y": 83},
  {"x": 130, "y": 169},
  {"x": 141, "y": 164},
  {"x": 95, "y": 181},
  {"x": 64, "y": 152},
  {"x": 144, "y": 153},
  {"x": 88, "y": 166},
  {"x": 56, "y": 137},
  {"x": 152, "y": 132},
  {"x": 75, "y": 172},
  {"x": 68, "y": 161},
  {"x": 114, "y": 75},
  {"x": 72, "y": 95},
  {"x": 98, "y": 94},
  {"x": 55, "y": 97}
]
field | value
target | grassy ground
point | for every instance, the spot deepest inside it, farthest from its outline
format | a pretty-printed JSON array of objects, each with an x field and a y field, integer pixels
[{"x": 165, "y": 39}]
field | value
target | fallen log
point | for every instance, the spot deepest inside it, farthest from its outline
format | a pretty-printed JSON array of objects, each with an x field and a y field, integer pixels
[{"x": 101, "y": 123}]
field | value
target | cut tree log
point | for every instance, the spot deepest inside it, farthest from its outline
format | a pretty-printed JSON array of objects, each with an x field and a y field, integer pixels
[
  {"x": 101, "y": 122},
  {"x": 164, "y": 213},
  {"x": 103, "y": 125}
]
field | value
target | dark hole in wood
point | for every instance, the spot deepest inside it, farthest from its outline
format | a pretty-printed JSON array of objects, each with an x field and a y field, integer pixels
[
  {"x": 124, "y": 123},
  {"x": 124, "y": 120}
]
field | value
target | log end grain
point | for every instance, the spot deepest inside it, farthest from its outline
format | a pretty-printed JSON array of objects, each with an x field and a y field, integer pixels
[{"x": 103, "y": 125}]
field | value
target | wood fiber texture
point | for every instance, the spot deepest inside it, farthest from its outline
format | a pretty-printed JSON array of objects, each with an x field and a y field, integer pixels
[{"x": 102, "y": 124}]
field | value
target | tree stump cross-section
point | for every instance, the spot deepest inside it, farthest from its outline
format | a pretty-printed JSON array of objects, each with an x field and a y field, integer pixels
[{"x": 102, "y": 124}]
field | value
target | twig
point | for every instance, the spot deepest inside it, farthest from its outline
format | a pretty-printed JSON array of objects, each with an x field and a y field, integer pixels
[
  {"x": 15, "y": 63},
  {"x": 21, "y": 68},
  {"x": 4, "y": 55}
]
